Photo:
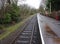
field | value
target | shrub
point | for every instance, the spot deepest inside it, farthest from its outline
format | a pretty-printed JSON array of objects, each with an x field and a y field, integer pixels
[
  {"x": 14, "y": 11},
  {"x": 1, "y": 27},
  {"x": 7, "y": 18}
]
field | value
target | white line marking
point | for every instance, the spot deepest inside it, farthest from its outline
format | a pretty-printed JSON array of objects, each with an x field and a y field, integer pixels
[{"x": 40, "y": 29}]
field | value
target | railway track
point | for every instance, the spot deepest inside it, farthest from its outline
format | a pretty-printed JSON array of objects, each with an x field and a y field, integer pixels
[{"x": 30, "y": 34}]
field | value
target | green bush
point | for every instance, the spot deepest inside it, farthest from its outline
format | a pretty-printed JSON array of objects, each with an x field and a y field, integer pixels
[
  {"x": 7, "y": 18},
  {"x": 12, "y": 13},
  {"x": 1, "y": 27},
  {"x": 15, "y": 12}
]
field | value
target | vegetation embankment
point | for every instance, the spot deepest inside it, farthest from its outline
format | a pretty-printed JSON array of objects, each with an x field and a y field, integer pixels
[{"x": 12, "y": 17}]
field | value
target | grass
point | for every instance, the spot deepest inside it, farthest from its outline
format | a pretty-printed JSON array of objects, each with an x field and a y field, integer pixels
[{"x": 12, "y": 28}]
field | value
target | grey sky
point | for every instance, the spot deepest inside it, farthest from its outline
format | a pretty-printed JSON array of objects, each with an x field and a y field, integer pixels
[{"x": 32, "y": 3}]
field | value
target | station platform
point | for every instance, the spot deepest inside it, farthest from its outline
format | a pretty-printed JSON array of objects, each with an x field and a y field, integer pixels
[{"x": 49, "y": 29}]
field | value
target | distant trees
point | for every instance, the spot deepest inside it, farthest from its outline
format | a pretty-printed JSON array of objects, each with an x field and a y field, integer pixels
[
  {"x": 55, "y": 5},
  {"x": 11, "y": 12},
  {"x": 26, "y": 10},
  {"x": 41, "y": 9}
]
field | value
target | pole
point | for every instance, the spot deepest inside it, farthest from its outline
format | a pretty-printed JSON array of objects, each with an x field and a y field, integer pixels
[{"x": 50, "y": 7}]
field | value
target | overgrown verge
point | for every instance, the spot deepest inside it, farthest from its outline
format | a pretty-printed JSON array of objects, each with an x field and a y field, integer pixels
[
  {"x": 11, "y": 18},
  {"x": 13, "y": 28}
]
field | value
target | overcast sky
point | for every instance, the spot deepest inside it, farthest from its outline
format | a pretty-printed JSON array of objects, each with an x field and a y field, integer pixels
[{"x": 32, "y": 3}]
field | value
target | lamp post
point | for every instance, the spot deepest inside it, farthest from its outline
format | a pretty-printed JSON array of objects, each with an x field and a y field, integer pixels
[{"x": 50, "y": 7}]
